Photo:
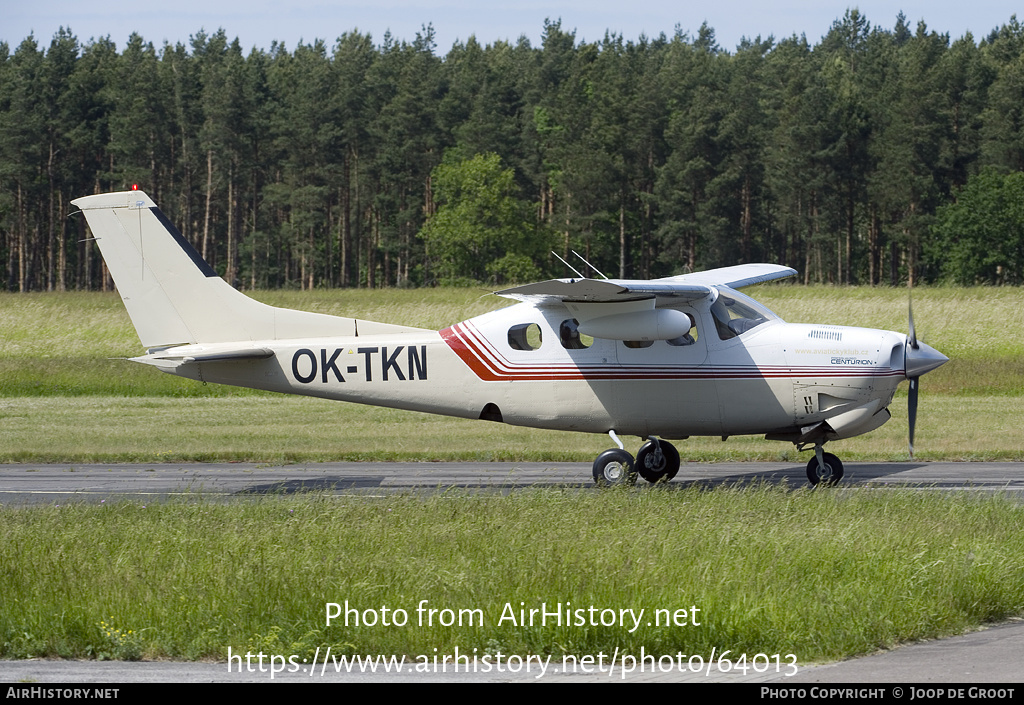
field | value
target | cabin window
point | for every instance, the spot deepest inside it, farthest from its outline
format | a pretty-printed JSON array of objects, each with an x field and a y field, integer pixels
[
  {"x": 570, "y": 336},
  {"x": 637, "y": 344},
  {"x": 733, "y": 318},
  {"x": 525, "y": 336}
]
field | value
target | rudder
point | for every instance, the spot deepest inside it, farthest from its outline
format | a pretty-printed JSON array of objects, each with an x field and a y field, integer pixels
[{"x": 174, "y": 297}]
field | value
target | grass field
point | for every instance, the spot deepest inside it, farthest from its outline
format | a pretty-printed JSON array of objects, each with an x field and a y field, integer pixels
[
  {"x": 774, "y": 570},
  {"x": 68, "y": 395},
  {"x": 821, "y": 575}
]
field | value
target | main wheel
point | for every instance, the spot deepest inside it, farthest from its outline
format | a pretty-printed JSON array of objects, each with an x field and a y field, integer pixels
[
  {"x": 830, "y": 474},
  {"x": 657, "y": 461},
  {"x": 614, "y": 467}
]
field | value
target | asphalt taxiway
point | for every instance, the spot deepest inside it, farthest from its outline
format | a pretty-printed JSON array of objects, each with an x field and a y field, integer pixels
[
  {"x": 31, "y": 484},
  {"x": 986, "y": 660}
]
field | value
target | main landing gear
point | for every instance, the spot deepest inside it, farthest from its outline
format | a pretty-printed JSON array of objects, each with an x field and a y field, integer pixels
[{"x": 656, "y": 461}]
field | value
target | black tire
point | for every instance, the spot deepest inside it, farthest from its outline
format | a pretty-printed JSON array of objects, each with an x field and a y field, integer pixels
[
  {"x": 614, "y": 467},
  {"x": 831, "y": 474},
  {"x": 656, "y": 466}
]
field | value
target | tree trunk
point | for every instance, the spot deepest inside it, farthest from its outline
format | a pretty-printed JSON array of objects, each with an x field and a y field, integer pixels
[
  {"x": 622, "y": 239},
  {"x": 230, "y": 270},
  {"x": 22, "y": 244},
  {"x": 748, "y": 219},
  {"x": 209, "y": 198}
]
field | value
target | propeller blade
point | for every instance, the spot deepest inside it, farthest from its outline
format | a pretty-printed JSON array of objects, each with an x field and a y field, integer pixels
[
  {"x": 912, "y": 335},
  {"x": 912, "y": 410},
  {"x": 919, "y": 358}
]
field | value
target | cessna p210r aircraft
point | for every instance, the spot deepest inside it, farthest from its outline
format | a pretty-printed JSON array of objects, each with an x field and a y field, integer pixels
[{"x": 665, "y": 358}]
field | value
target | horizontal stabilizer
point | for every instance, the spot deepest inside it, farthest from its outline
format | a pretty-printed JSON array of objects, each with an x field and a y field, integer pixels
[{"x": 190, "y": 353}]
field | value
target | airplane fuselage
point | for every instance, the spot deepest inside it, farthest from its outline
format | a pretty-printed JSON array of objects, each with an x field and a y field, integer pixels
[{"x": 518, "y": 365}]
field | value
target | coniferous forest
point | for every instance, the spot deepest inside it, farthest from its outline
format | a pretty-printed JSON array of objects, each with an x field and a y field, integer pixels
[{"x": 879, "y": 155}]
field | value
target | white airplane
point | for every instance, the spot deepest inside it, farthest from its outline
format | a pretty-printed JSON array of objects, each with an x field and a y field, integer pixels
[{"x": 665, "y": 358}]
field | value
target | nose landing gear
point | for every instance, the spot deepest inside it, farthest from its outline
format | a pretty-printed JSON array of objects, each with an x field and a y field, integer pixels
[{"x": 824, "y": 468}]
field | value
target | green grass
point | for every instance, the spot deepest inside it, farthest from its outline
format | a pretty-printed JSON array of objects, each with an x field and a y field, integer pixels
[
  {"x": 822, "y": 575},
  {"x": 286, "y": 429}
]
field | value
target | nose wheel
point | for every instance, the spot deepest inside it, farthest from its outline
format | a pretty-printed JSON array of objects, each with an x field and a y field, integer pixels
[{"x": 824, "y": 469}]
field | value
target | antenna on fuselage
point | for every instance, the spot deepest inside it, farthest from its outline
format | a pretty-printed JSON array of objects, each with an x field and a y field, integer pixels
[
  {"x": 568, "y": 265},
  {"x": 589, "y": 264}
]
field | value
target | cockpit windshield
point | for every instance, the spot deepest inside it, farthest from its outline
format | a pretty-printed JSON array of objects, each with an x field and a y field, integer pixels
[{"x": 735, "y": 314}]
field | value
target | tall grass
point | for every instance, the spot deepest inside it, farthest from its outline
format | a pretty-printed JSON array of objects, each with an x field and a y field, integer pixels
[{"x": 822, "y": 575}]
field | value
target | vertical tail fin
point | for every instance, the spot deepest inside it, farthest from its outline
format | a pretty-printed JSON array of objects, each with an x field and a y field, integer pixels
[{"x": 174, "y": 297}]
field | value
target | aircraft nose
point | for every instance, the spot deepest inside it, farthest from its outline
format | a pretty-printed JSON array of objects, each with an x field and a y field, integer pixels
[{"x": 921, "y": 359}]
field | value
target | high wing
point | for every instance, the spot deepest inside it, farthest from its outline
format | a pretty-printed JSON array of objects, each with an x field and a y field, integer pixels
[
  {"x": 640, "y": 309},
  {"x": 602, "y": 290},
  {"x": 683, "y": 287},
  {"x": 735, "y": 277}
]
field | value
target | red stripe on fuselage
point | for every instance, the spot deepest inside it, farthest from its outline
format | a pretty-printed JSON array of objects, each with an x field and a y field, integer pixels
[{"x": 490, "y": 365}]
